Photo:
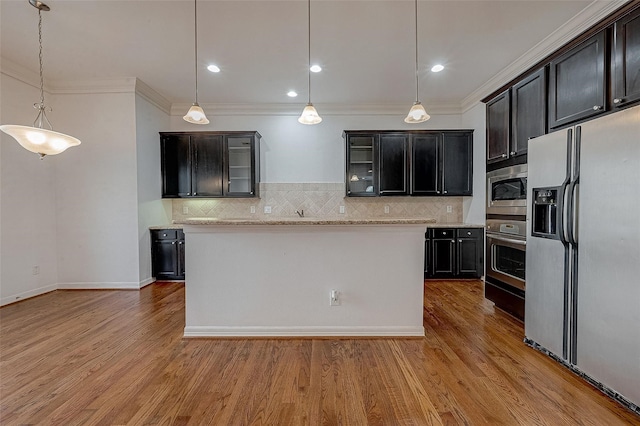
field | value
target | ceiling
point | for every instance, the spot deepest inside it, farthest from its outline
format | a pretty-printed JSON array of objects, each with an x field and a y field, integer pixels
[{"x": 366, "y": 47}]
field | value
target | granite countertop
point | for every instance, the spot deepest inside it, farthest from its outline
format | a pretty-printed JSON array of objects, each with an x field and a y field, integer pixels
[
  {"x": 304, "y": 221},
  {"x": 429, "y": 223}
]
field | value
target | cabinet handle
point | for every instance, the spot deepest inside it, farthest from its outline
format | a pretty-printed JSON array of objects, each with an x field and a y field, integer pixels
[
  {"x": 618, "y": 101},
  {"x": 597, "y": 107}
]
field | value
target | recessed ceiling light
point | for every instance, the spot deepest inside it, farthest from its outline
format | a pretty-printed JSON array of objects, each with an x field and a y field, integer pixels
[
  {"x": 315, "y": 68},
  {"x": 213, "y": 68},
  {"x": 292, "y": 93},
  {"x": 437, "y": 68}
]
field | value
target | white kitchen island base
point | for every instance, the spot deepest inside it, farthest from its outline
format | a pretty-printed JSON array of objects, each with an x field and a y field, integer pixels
[{"x": 276, "y": 280}]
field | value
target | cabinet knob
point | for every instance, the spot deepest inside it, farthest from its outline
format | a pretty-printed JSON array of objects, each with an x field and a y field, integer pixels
[
  {"x": 460, "y": 241},
  {"x": 445, "y": 192},
  {"x": 512, "y": 153},
  {"x": 504, "y": 155},
  {"x": 164, "y": 235},
  {"x": 195, "y": 193},
  {"x": 468, "y": 232},
  {"x": 618, "y": 101},
  {"x": 597, "y": 107},
  {"x": 188, "y": 193},
  {"x": 453, "y": 241},
  {"x": 180, "y": 243},
  {"x": 173, "y": 242},
  {"x": 437, "y": 192}
]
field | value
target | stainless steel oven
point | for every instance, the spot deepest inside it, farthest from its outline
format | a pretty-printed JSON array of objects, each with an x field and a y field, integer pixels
[
  {"x": 507, "y": 191},
  {"x": 505, "y": 276}
]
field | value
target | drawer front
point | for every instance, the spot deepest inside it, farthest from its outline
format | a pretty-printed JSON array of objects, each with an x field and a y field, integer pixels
[
  {"x": 470, "y": 232},
  {"x": 443, "y": 233},
  {"x": 165, "y": 234}
]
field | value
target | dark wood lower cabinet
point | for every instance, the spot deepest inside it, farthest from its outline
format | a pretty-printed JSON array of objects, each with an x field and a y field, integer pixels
[
  {"x": 454, "y": 253},
  {"x": 167, "y": 254}
]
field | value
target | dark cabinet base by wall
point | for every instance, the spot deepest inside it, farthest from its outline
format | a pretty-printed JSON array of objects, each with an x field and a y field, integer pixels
[
  {"x": 454, "y": 253},
  {"x": 167, "y": 254}
]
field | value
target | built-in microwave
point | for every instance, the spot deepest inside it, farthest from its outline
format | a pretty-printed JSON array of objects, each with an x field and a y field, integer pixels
[{"x": 507, "y": 191}]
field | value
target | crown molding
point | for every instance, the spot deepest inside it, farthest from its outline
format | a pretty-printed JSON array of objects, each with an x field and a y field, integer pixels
[
  {"x": 152, "y": 96},
  {"x": 434, "y": 108},
  {"x": 585, "y": 19},
  {"x": 20, "y": 73},
  {"x": 93, "y": 86}
]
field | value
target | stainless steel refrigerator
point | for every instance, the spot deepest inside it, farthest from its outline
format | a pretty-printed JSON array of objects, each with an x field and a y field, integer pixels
[{"x": 583, "y": 251}]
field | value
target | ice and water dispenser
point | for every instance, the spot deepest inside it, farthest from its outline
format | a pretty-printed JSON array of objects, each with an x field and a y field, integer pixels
[{"x": 545, "y": 212}]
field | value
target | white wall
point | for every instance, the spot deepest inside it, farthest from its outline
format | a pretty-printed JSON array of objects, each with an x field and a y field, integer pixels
[
  {"x": 27, "y": 194},
  {"x": 152, "y": 209},
  {"x": 296, "y": 153},
  {"x": 474, "y": 208},
  {"x": 97, "y": 194}
]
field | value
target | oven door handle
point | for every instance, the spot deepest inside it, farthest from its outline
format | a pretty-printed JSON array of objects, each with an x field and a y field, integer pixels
[{"x": 508, "y": 240}]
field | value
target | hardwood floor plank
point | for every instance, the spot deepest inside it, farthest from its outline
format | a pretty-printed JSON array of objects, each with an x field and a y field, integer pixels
[{"x": 118, "y": 357}]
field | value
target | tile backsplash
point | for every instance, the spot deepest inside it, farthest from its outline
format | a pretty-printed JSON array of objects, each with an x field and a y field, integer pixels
[{"x": 318, "y": 200}]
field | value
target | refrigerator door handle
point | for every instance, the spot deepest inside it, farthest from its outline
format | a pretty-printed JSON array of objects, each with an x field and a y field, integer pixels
[
  {"x": 572, "y": 208},
  {"x": 563, "y": 198}
]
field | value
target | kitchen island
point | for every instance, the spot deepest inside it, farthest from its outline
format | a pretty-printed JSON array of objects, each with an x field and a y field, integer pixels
[{"x": 275, "y": 278}]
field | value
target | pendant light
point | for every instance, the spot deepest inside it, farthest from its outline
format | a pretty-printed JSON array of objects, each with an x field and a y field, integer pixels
[
  {"x": 38, "y": 139},
  {"x": 417, "y": 113},
  {"x": 309, "y": 114},
  {"x": 196, "y": 114}
]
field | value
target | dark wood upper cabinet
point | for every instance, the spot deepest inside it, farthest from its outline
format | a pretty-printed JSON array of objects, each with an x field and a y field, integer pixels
[
  {"x": 209, "y": 164},
  {"x": 577, "y": 82},
  {"x": 417, "y": 163},
  {"x": 457, "y": 163},
  {"x": 528, "y": 111},
  {"x": 206, "y": 165},
  {"x": 425, "y": 159},
  {"x": 393, "y": 156},
  {"x": 498, "y": 127},
  {"x": 626, "y": 54}
]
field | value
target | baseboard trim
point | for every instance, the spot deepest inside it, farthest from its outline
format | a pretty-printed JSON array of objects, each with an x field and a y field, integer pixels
[
  {"x": 317, "y": 331},
  {"x": 146, "y": 282},
  {"x": 27, "y": 294},
  {"x": 100, "y": 286}
]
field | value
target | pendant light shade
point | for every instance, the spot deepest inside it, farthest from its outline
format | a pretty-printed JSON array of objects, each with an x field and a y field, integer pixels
[
  {"x": 196, "y": 114},
  {"x": 38, "y": 139},
  {"x": 417, "y": 113},
  {"x": 309, "y": 114}
]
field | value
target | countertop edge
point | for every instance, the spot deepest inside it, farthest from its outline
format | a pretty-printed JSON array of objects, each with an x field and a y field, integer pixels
[{"x": 429, "y": 223}]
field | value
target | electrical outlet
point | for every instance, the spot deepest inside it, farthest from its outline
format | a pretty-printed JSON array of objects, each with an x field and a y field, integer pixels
[
  {"x": 341, "y": 209},
  {"x": 386, "y": 209},
  {"x": 334, "y": 298},
  {"x": 449, "y": 209},
  {"x": 253, "y": 209},
  {"x": 185, "y": 209},
  {"x": 267, "y": 209},
  {"x": 35, "y": 270}
]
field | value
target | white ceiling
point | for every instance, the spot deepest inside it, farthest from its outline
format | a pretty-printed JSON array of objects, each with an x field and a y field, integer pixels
[{"x": 365, "y": 47}]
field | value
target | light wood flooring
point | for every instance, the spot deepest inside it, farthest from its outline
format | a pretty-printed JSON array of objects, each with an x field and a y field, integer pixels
[{"x": 118, "y": 357}]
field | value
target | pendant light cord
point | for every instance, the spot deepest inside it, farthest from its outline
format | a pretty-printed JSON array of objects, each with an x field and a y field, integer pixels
[
  {"x": 40, "y": 57},
  {"x": 309, "y": 49},
  {"x": 195, "y": 37},
  {"x": 416, "y": 18},
  {"x": 41, "y": 118}
]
